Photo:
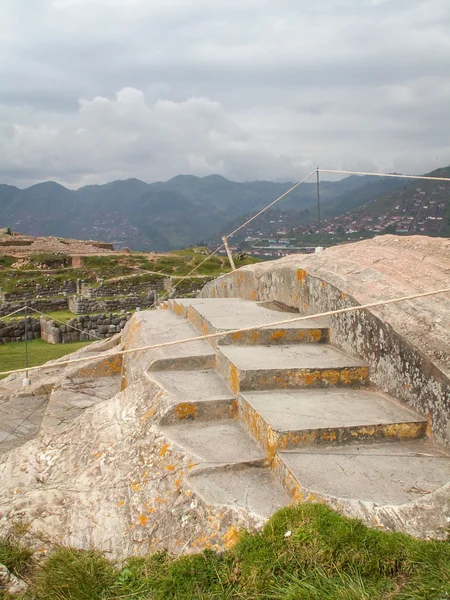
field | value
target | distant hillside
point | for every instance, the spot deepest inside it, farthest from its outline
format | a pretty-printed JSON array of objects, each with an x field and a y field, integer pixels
[
  {"x": 420, "y": 206},
  {"x": 166, "y": 215}
]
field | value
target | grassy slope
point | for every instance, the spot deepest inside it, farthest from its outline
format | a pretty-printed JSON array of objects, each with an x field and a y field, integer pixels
[
  {"x": 12, "y": 356},
  {"x": 303, "y": 553},
  {"x": 177, "y": 263}
]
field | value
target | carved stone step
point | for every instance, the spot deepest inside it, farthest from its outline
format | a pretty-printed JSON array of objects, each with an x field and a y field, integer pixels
[
  {"x": 280, "y": 420},
  {"x": 211, "y": 315},
  {"x": 289, "y": 367}
]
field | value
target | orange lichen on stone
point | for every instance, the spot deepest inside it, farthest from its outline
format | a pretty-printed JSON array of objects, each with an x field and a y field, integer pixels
[
  {"x": 104, "y": 368},
  {"x": 255, "y": 336},
  {"x": 170, "y": 468},
  {"x": 278, "y": 335},
  {"x": 148, "y": 415},
  {"x": 143, "y": 520},
  {"x": 343, "y": 295},
  {"x": 230, "y": 537},
  {"x": 254, "y": 295},
  {"x": 237, "y": 336},
  {"x": 164, "y": 450},
  {"x": 350, "y": 376},
  {"x": 301, "y": 274},
  {"x": 121, "y": 503},
  {"x": 234, "y": 378},
  {"x": 186, "y": 410}
]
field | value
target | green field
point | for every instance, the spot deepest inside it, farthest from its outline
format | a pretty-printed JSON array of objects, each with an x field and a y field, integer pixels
[
  {"x": 12, "y": 356},
  {"x": 307, "y": 552}
]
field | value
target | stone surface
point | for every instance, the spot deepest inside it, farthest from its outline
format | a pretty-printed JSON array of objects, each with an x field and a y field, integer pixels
[
  {"x": 10, "y": 582},
  {"x": 385, "y": 474},
  {"x": 215, "y": 315},
  {"x": 329, "y": 408},
  {"x": 248, "y": 487},
  {"x": 407, "y": 345},
  {"x": 216, "y": 441}
]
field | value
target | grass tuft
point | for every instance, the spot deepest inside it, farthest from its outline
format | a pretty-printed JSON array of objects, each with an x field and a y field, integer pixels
[
  {"x": 16, "y": 557},
  {"x": 325, "y": 557}
]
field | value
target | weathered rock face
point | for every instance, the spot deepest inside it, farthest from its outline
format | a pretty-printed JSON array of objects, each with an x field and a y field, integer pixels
[
  {"x": 102, "y": 453},
  {"x": 98, "y": 471},
  {"x": 406, "y": 344}
]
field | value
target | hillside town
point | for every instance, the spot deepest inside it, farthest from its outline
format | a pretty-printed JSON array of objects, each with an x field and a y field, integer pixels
[{"x": 421, "y": 210}]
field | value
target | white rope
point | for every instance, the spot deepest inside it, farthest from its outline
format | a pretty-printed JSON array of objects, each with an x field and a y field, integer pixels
[
  {"x": 233, "y": 331},
  {"x": 394, "y": 175},
  {"x": 235, "y": 231},
  {"x": 272, "y": 203},
  {"x": 341, "y": 172},
  {"x": 13, "y": 313}
]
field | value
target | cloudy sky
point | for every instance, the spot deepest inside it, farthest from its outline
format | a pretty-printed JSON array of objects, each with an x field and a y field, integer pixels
[{"x": 96, "y": 90}]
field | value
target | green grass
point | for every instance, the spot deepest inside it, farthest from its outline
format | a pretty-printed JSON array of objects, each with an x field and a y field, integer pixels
[
  {"x": 323, "y": 557},
  {"x": 12, "y": 356},
  {"x": 15, "y": 556}
]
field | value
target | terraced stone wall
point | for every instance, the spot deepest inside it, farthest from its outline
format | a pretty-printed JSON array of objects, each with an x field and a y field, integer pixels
[
  {"x": 83, "y": 328},
  {"x": 15, "y": 331},
  {"x": 81, "y": 305},
  {"x": 43, "y": 305}
]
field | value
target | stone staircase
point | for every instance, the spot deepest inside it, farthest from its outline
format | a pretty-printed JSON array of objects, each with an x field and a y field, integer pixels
[{"x": 279, "y": 414}]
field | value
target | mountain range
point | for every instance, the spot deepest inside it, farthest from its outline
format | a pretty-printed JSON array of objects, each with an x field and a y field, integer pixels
[{"x": 173, "y": 214}]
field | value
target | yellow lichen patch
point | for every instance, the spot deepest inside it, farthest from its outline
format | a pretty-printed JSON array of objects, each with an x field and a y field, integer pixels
[
  {"x": 331, "y": 376},
  {"x": 343, "y": 295},
  {"x": 350, "y": 376},
  {"x": 121, "y": 503},
  {"x": 143, "y": 520},
  {"x": 186, "y": 410},
  {"x": 237, "y": 336},
  {"x": 170, "y": 468},
  {"x": 255, "y": 336},
  {"x": 148, "y": 415},
  {"x": 301, "y": 274},
  {"x": 234, "y": 410},
  {"x": 329, "y": 436},
  {"x": 323, "y": 284},
  {"x": 234, "y": 378},
  {"x": 104, "y": 368},
  {"x": 164, "y": 450},
  {"x": 98, "y": 455},
  {"x": 404, "y": 430},
  {"x": 177, "y": 308},
  {"x": 230, "y": 537},
  {"x": 191, "y": 466},
  {"x": 429, "y": 428},
  {"x": 315, "y": 334},
  {"x": 280, "y": 381},
  {"x": 136, "y": 486},
  {"x": 278, "y": 335}
]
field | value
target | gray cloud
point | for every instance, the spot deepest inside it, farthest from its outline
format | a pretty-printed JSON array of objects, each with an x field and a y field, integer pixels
[{"x": 92, "y": 90}]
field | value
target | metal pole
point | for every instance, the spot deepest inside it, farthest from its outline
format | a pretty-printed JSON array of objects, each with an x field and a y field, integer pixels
[
  {"x": 230, "y": 256},
  {"x": 318, "y": 207},
  {"x": 26, "y": 381}
]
